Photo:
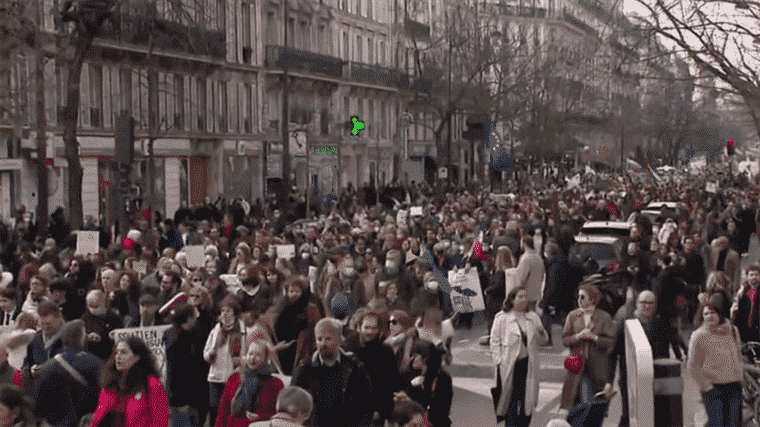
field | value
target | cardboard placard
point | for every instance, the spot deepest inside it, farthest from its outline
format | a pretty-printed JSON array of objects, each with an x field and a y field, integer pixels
[
  {"x": 415, "y": 211},
  {"x": 88, "y": 242},
  {"x": 466, "y": 295},
  {"x": 195, "y": 257},
  {"x": 153, "y": 337},
  {"x": 402, "y": 218},
  {"x": 141, "y": 268},
  {"x": 286, "y": 251},
  {"x": 313, "y": 279},
  {"x": 711, "y": 187}
]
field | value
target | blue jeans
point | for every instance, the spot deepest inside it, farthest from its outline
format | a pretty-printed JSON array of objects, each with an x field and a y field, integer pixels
[
  {"x": 724, "y": 405},
  {"x": 184, "y": 416},
  {"x": 215, "y": 391}
]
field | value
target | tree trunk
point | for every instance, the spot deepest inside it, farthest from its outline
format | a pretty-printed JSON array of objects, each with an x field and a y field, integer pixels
[{"x": 70, "y": 117}]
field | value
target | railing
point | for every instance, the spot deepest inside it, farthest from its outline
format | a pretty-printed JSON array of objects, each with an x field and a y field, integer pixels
[
  {"x": 168, "y": 35},
  {"x": 579, "y": 23},
  {"x": 287, "y": 57},
  {"x": 638, "y": 356},
  {"x": 525, "y": 11}
]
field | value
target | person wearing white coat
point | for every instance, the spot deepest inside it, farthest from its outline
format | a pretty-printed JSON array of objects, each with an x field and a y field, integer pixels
[{"x": 515, "y": 337}]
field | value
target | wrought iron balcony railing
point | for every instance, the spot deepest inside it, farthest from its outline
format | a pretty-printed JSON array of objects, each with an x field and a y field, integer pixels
[{"x": 295, "y": 59}]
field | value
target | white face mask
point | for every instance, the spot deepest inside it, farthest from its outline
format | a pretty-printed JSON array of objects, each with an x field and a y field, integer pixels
[
  {"x": 305, "y": 255},
  {"x": 97, "y": 311},
  {"x": 391, "y": 265}
]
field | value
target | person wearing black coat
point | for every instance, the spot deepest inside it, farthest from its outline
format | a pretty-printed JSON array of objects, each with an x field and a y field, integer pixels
[
  {"x": 380, "y": 362},
  {"x": 186, "y": 370},
  {"x": 562, "y": 279},
  {"x": 428, "y": 384},
  {"x": 62, "y": 399},
  {"x": 99, "y": 321}
]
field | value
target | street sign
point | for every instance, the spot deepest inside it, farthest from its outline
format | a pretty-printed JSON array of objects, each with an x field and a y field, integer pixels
[
  {"x": 298, "y": 143},
  {"x": 443, "y": 173}
]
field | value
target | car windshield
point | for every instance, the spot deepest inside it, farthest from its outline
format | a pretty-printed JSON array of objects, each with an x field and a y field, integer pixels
[
  {"x": 603, "y": 253},
  {"x": 606, "y": 231}
]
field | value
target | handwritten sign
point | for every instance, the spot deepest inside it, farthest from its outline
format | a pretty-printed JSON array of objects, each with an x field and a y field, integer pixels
[
  {"x": 402, "y": 218},
  {"x": 88, "y": 242},
  {"x": 286, "y": 251},
  {"x": 195, "y": 257},
  {"x": 466, "y": 296},
  {"x": 141, "y": 268},
  {"x": 153, "y": 337},
  {"x": 232, "y": 281},
  {"x": 415, "y": 211},
  {"x": 711, "y": 187}
]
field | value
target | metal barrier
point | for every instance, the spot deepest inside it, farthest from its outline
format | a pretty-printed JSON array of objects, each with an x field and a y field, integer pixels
[
  {"x": 668, "y": 393},
  {"x": 638, "y": 356}
]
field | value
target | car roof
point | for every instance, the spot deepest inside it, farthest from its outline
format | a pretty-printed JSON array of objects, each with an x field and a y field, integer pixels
[
  {"x": 607, "y": 224},
  {"x": 608, "y": 240},
  {"x": 660, "y": 205}
]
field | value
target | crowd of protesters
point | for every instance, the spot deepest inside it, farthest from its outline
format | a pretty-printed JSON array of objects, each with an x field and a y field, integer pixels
[{"x": 361, "y": 319}]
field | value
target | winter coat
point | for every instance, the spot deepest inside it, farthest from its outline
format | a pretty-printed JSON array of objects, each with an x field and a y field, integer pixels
[
  {"x": 61, "y": 400},
  {"x": 221, "y": 365},
  {"x": 348, "y": 379},
  {"x": 596, "y": 359},
  {"x": 265, "y": 403},
  {"x": 186, "y": 370},
  {"x": 101, "y": 325},
  {"x": 505, "y": 347},
  {"x": 148, "y": 408},
  {"x": 278, "y": 420},
  {"x": 296, "y": 322}
]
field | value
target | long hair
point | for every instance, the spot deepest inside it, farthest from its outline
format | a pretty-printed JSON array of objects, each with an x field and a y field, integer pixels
[
  {"x": 133, "y": 289},
  {"x": 12, "y": 398},
  {"x": 432, "y": 357},
  {"x": 136, "y": 379},
  {"x": 509, "y": 301}
]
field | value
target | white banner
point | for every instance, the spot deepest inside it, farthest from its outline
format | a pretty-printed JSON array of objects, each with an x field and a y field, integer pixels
[{"x": 466, "y": 295}]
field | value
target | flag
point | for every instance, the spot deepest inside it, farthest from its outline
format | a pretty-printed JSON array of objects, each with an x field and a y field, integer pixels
[
  {"x": 575, "y": 181},
  {"x": 658, "y": 180}
]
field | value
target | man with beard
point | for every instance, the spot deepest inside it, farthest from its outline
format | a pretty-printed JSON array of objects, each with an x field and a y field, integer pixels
[
  {"x": 745, "y": 311},
  {"x": 381, "y": 365},
  {"x": 337, "y": 380},
  {"x": 170, "y": 283},
  {"x": 99, "y": 322}
]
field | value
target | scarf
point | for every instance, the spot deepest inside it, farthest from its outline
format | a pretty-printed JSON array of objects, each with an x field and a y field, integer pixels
[
  {"x": 248, "y": 391},
  {"x": 231, "y": 333}
]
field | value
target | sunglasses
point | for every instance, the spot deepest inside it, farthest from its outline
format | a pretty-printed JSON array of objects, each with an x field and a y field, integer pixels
[{"x": 393, "y": 321}]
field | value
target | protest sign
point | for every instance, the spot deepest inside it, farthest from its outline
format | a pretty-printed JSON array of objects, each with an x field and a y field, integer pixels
[
  {"x": 711, "y": 187},
  {"x": 402, "y": 218},
  {"x": 466, "y": 296},
  {"x": 153, "y": 337},
  {"x": 195, "y": 257},
  {"x": 141, "y": 268},
  {"x": 232, "y": 281},
  {"x": 87, "y": 242},
  {"x": 416, "y": 211},
  {"x": 286, "y": 251}
]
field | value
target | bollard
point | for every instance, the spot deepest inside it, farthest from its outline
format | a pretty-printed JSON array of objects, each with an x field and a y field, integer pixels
[{"x": 668, "y": 393}]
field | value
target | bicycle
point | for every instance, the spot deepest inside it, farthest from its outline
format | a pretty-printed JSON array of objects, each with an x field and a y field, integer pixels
[{"x": 751, "y": 383}]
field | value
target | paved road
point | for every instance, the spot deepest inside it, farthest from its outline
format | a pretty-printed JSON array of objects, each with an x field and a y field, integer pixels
[{"x": 473, "y": 376}]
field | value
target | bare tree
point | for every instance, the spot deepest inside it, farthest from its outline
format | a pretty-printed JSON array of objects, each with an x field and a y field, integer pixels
[{"x": 722, "y": 37}]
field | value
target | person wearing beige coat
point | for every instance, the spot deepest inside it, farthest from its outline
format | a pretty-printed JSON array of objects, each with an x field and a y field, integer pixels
[{"x": 515, "y": 337}]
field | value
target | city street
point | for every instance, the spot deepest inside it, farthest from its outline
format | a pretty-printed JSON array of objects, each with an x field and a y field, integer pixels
[{"x": 473, "y": 376}]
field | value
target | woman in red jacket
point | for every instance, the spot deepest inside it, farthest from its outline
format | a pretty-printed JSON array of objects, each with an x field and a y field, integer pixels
[
  {"x": 132, "y": 394},
  {"x": 251, "y": 393}
]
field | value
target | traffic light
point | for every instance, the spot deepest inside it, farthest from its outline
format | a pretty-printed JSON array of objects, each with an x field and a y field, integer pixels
[{"x": 730, "y": 147}]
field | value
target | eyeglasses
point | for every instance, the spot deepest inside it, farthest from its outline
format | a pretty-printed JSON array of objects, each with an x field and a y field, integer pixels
[{"x": 393, "y": 321}]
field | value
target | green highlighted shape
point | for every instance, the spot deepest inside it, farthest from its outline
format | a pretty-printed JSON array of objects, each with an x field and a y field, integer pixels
[{"x": 357, "y": 126}]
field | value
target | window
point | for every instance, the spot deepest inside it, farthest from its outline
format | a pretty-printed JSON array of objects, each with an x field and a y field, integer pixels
[
  {"x": 346, "y": 112},
  {"x": 324, "y": 122},
  {"x": 322, "y": 40},
  {"x": 344, "y": 53},
  {"x": 272, "y": 37},
  {"x": 96, "y": 95},
  {"x": 370, "y": 10},
  {"x": 233, "y": 106},
  {"x": 358, "y": 7},
  {"x": 382, "y": 53},
  {"x": 201, "y": 104},
  {"x": 358, "y": 57},
  {"x": 291, "y": 32},
  {"x": 370, "y": 51},
  {"x": 223, "y": 99},
  {"x": 179, "y": 104},
  {"x": 247, "y": 99},
  {"x": 303, "y": 35},
  {"x": 342, "y": 5},
  {"x": 247, "y": 51},
  {"x": 221, "y": 7},
  {"x": 371, "y": 118},
  {"x": 383, "y": 121},
  {"x": 360, "y": 109}
]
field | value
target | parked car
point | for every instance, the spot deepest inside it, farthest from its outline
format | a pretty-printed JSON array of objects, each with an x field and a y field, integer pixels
[
  {"x": 602, "y": 258},
  {"x": 607, "y": 228}
]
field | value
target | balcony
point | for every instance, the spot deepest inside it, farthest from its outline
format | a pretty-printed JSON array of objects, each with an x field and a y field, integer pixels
[
  {"x": 294, "y": 59},
  {"x": 375, "y": 74},
  {"x": 579, "y": 24},
  {"x": 525, "y": 11},
  {"x": 167, "y": 35}
]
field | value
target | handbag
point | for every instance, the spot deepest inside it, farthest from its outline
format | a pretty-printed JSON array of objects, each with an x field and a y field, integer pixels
[{"x": 574, "y": 363}]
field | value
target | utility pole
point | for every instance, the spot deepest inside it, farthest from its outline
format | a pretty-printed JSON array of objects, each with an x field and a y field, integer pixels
[
  {"x": 282, "y": 195},
  {"x": 42, "y": 173}
]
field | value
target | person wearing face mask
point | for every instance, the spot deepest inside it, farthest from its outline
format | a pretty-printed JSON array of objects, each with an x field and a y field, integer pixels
[
  {"x": 223, "y": 351},
  {"x": 250, "y": 394},
  {"x": 38, "y": 293},
  {"x": 340, "y": 294},
  {"x": 99, "y": 322},
  {"x": 380, "y": 362},
  {"x": 715, "y": 363},
  {"x": 297, "y": 314},
  {"x": 394, "y": 271}
]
